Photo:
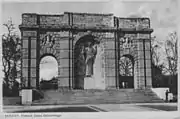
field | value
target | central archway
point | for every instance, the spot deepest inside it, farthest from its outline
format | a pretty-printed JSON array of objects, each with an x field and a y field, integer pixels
[{"x": 80, "y": 55}]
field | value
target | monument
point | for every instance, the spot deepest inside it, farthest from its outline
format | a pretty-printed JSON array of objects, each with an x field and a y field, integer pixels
[{"x": 87, "y": 47}]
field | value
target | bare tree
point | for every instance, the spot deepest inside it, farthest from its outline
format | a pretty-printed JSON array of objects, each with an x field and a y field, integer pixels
[
  {"x": 171, "y": 53},
  {"x": 172, "y": 59},
  {"x": 155, "y": 48},
  {"x": 11, "y": 47},
  {"x": 157, "y": 65}
]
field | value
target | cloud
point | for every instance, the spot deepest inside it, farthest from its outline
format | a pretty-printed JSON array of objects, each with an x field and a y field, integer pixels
[
  {"x": 167, "y": 14},
  {"x": 114, "y": 6},
  {"x": 47, "y": 74},
  {"x": 144, "y": 10},
  {"x": 163, "y": 14}
]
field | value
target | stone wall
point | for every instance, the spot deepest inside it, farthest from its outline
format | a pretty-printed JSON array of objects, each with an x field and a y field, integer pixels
[
  {"x": 50, "y": 20},
  {"x": 99, "y": 20},
  {"x": 29, "y": 19},
  {"x": 138, "y": 23}
]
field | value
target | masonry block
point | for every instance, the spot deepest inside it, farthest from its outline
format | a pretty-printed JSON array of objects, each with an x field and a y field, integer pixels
[
  {"x": 110, "y": 71},
  {"x": 30, "y": 33},
  {"x": 24, "y": 72},
  {"x": 24, "y": 53},
  {"x": 110, "y": 81},
  {"x": 63, "y": 82},
  {"x": 33, "y": 71},
  {"x": 25, "y": 62}
]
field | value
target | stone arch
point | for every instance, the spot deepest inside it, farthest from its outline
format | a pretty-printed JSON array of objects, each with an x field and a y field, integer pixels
[
  {"x": 126, "y": 79},
  {"x": 47, "y": 54},
  {"x": 130, "y": 56},
  {"x": 80, "y": 35},
  {"x": 49, "y": 51}
]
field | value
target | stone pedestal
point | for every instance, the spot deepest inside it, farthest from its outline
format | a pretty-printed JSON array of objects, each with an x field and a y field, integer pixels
[
  {"x": 100, "y": 84},
  {"x": 89, "y": 83},
  {"x": 26, "y": 96},
  {"x": 99, "y": 71}
]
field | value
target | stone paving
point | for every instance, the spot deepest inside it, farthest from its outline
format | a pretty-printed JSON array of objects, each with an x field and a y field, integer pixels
[{"x": 99, "y": 107}]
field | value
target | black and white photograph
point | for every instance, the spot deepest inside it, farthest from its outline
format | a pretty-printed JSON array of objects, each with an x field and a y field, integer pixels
[{"x": 89, "y": 56}]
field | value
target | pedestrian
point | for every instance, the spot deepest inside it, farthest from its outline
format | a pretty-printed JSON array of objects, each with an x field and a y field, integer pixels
[
  {"x": 123, "y": 85},
  {"x": 170, "y": 97},
  {"x": 126, "y": 85},
  {"x": 166, "y": 93}
]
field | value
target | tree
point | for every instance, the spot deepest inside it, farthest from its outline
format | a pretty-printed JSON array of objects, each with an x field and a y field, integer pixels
[
  {"x": 172, "y": 59},
  {"x": 11, "y": 50},
  {"x": 126, "y": 67},
  {"x": 157, "y": 66},
  {"x": 171, "y": 53}
]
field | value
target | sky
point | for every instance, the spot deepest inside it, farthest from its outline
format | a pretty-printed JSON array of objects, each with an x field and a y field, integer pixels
[
  {"x": 48, "y": 68},
  {"x": 163, "y": 14}
]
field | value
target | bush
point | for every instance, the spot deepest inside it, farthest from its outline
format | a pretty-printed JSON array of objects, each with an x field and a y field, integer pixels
[{"x": 13, "y": 92}]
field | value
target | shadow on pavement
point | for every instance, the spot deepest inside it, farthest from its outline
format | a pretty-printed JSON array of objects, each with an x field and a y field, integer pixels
[
  {"x": 161, "y": 107},
  {"x": 61, "y": 109}
]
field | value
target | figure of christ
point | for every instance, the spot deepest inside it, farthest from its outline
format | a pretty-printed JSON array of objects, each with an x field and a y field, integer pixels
[{"x": 90, "y": 54}]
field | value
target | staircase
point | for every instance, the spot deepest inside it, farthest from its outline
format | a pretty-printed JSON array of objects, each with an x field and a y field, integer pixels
[{"x": 98, "y": 97}]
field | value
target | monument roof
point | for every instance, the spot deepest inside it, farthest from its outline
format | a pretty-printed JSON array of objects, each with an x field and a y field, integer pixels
[{"x": 83, "y": 13}]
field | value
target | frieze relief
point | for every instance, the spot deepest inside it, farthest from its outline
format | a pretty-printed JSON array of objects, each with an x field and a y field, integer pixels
[
  {"x": 127, "y": 42},
  {"x": 52, "y": 39}
]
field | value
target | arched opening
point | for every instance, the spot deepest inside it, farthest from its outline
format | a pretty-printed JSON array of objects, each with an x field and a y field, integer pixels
[
  {"x": 126, "y": 72},
  {"x": 48, "y": 72},
  {"x": 83, "y": 49}
]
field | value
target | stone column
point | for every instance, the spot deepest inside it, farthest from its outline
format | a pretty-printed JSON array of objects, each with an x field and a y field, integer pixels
[
  {"x": 29, "y": 66},
  {"x": 110, "y": 61},
  {"x": 29, "y": 58},
  {"x": 140, "y": 65},
  {"x": 64, "y": 52},
  {"x": 136, "y": 79},
  {"x": 148, "y": 64}
]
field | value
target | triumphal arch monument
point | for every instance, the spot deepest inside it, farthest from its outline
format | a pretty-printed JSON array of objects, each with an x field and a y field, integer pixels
[{"x": 88, "y": 48}]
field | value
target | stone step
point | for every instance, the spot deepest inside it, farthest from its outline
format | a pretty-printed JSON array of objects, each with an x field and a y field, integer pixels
[{"x": 98, "y": 96}]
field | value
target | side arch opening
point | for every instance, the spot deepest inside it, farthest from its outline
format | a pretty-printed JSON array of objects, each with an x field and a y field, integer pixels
[
  {"x": 48, "y": 72},
  {"x": 126, "y": 71}
]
